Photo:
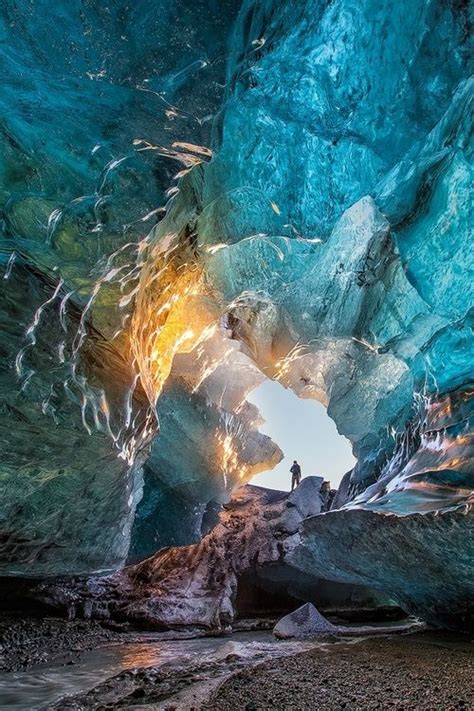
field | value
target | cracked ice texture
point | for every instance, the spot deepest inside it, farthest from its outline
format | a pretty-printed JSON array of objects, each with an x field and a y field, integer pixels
[
  {"x": 342, "y": 191},
  {"x": 80, "y": 83}
]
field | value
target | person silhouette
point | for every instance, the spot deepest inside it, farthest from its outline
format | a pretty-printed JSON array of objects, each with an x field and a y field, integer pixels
[{"x": 295, "y": 474}]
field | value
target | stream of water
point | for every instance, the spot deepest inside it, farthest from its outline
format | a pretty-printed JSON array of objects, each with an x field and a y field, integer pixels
[{"x": 39, "y": 687}]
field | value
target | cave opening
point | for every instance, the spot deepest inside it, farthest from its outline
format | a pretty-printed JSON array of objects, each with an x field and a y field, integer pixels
[
  {"x": 304, "y": 431},
  {"x": 256, "y": 598}
]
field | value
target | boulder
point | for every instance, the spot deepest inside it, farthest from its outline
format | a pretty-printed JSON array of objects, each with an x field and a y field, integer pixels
[
  {"x": 306, "y": 621},
  {"x": 307, "y": 497}
]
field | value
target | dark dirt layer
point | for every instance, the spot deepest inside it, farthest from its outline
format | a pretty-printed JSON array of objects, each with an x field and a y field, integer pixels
[
  {"x": 141, "y": 687},
  {"x": 31, "y": 641},
  {"x": 412, "y": 672}
]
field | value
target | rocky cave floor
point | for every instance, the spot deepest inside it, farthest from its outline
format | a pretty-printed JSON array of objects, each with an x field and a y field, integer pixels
[
  {"x": 28, "y": 641},
  {"x": 425, "y": 670},
  {"x": 34, "y": 642},
  {"x": 421, "y": 671}
]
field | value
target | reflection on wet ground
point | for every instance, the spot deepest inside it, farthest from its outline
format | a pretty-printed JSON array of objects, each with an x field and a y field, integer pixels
[
  {"x": 40, "y": 687},
  {"x": 37, "y": 688}
]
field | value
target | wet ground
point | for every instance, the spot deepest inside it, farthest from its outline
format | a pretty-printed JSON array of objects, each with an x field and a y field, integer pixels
[
  {"x": 207, "y": 658},
  {"x": 31, "y": 641},
  {"x": 247, "y": 670}
]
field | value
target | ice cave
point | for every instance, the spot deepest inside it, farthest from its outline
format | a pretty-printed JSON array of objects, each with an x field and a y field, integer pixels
[{"x": 201, "y": 198}]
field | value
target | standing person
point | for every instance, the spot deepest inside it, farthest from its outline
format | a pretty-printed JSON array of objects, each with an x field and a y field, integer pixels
[{"x": 295, "y": 474}]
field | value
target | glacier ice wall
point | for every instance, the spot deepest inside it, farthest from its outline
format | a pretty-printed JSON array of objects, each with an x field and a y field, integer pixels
[
  {"x": 344, "y": 175},
  {"x": 304, "y": 170},
  {"x": 93, "y": 99},
  {"x": 68, "y": 499}
]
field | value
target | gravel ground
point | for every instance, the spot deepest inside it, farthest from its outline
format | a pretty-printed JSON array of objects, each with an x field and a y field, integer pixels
[
  {"x": 27, "y": 642},
  {"x": 414, "y": 672},
  {"x": 422, "y": 671}
]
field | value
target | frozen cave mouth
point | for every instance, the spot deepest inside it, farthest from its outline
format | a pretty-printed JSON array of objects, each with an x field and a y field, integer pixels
[
  {"x": 236, "y": 385},
  {"x": 303, "y": 430},
  {"x": 253, "y": 444}
]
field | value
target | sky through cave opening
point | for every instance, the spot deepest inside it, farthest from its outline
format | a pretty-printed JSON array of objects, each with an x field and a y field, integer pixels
[{"x": 304, "y": 431}]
